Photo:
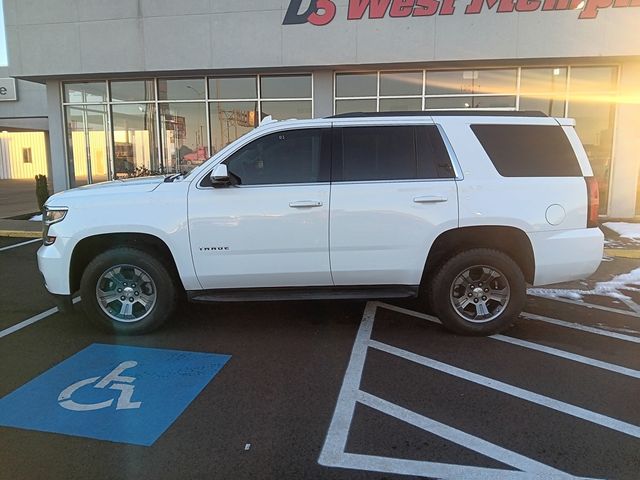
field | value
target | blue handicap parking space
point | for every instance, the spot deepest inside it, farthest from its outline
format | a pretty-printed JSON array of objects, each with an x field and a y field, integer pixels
[{"x": 111, "y": 392}]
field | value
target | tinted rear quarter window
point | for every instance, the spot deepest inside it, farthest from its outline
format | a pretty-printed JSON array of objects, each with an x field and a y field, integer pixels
[
  {"x": 390, "y": 153},
  {"x": 528, "y": 150}
]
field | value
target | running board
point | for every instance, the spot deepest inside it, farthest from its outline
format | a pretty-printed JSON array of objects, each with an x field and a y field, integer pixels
[{"x": 309, "y": 293}]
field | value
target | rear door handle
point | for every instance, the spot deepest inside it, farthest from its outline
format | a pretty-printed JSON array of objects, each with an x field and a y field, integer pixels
[
  {"x": 305, "y": 204},
  {"x": 430, "y": 199}
]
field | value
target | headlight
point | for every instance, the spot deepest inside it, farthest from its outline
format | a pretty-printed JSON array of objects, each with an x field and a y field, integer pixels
[{"x": 54, "y": 215}]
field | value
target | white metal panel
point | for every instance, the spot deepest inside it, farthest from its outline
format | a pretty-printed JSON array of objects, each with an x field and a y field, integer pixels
[
  {"x": 380, "y": 235},
  {"x": 244, "y": 237},
  {"x": 487, "y": 198}
]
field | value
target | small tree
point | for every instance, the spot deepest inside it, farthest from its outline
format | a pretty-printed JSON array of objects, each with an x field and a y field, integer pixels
[{"x": 42, "y": 190}]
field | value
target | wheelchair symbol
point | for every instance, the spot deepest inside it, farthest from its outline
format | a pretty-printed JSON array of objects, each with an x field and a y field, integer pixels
[{"x": 124, "y": 384}]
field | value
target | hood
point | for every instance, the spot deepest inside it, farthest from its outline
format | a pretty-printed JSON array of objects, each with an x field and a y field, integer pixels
[{"x": 132, "y": 185}]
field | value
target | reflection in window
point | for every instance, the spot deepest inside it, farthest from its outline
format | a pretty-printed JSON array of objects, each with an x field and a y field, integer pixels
[
  {"x": 347, "y": 106},
  {"x": 496, "y": 81},
  {"x": 594, "y": 120},
  {"x": 87, "y": 144},
  {"x": 132, "y": 91},
  {"x": 85, "y": 92},
  {"x": 286, "y": 110},
  {"x": 401, "y": 83},
  {"x": 233, "y": 88},
  {"x": 400, "y": 104},
  {"x": 181, "y": 89},
  {"x": 183, "y": 127},
  {"x": 285, "y": 86},
  {"x": 356, "y": 84},
  {"x": 543, "y": 90},
  {"x": 134, "y": 139},
  {"x": 282, "y": 157},
  {"x": 594, "y": 125},
  {"x": 229, "y": 121}
]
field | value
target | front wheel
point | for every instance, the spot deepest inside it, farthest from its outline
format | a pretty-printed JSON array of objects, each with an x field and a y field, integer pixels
[
  {"x": 478, "y": 292},
  {"x": 127, "y": 291}
]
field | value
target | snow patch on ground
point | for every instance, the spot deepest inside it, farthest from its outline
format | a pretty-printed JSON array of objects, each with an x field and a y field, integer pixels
[
  {"x": 625, "y": 230},
  {"x": 611, "y": 288},
  {"x": 36, "y": 218}
]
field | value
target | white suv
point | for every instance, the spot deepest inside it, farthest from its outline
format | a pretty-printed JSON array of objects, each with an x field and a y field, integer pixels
[{"x": 460, "y": 208}]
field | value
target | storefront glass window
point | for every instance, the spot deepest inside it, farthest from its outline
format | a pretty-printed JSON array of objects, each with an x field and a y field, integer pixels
[
  {"x": 233, "y": 88},
  {"x": 132, "y": 91},
  {"x": 594, "y": 117},
  {"x": 346, "y": 106},
  {"x": 285, "y": 86},
  {"x": 229, "y": 121},
  {"x": 134, "y": 139},
  {"x": 498, "y": 81},
  {"x": 400, "y": 104},
  {"x": 285, "y": 110},
  {"x": 181, "y": 89},
  {"x": 85, "y": 92},
  {"x": 401, "y": 83},
  {"x": 356, "y": 84},
  {"x": 87, "y": 144},
  {"x": 544, "y": 90},
  {"x": 183, "y": 127}
]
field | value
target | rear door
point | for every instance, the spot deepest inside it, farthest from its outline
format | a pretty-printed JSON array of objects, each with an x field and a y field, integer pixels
[{"x": 393, "y": 192}]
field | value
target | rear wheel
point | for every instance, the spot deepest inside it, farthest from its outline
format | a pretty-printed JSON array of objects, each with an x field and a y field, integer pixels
[
  {"x": 478, "y": 292},
  {"x": 128, "y": 291}
]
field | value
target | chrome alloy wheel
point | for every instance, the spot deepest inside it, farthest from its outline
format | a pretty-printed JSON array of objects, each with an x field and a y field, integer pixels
[
  {"x": 126, "y": 293},
  {"x": 480, "y": 294}
]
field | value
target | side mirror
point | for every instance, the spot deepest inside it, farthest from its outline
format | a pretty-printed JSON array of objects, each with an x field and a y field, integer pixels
[{"x": 220, "y": 176}]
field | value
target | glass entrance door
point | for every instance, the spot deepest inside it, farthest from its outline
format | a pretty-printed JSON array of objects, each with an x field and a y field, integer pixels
[{"x": 87, "y": 143}]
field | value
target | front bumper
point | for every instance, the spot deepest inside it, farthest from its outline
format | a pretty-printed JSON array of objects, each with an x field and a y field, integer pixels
[{"x": 53, "y": 263}]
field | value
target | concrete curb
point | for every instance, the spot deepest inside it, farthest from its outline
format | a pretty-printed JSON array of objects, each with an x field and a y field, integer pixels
[
  {"x": 20, "y": 234},
  {"x": 622, "y": 252}
]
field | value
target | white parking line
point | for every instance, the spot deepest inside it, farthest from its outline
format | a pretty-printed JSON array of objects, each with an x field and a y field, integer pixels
[
  {"x": 589, "y": 305},
  {"x": 333, "y": 452},
  {"x": 32, "y": 320},
  {"x": 578, "y": 326},
  {"x": 457, "y": 436},
  {"x": 20, "y": 244},
  {"x": 629, "y": 372},
  {"x": 563, "y": 407},
  {"x": 530, "y": 345}
]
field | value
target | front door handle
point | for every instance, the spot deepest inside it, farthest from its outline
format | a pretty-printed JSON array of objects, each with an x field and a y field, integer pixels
[
  {"x": 305, "y": 204},
  {"x": 430, "y": 199}
]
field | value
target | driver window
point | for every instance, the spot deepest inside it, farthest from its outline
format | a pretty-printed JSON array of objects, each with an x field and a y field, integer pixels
[{"x": 284, "y": 157}]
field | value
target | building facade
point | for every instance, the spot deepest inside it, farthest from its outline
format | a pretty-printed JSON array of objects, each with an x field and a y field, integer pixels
[
  {"x": 141, "y": 86},
  {"x": 23, "y": 128}
]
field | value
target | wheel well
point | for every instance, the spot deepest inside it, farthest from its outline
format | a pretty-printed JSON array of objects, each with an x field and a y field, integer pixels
[
  {"x": 88, "y": 248},
  {"x": 509, "y": 240}
]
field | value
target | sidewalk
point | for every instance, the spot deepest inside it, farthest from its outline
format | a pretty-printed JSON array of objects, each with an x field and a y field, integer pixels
[{"x": 20, "y": 228}]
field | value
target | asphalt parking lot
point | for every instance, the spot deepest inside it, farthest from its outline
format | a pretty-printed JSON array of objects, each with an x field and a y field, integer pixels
[{"x": 318, "y": 390}]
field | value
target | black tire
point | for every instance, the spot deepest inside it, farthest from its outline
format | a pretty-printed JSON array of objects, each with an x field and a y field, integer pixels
[
  {"x": 442, "y": 289},
  {"x": 165, "y": 290}
]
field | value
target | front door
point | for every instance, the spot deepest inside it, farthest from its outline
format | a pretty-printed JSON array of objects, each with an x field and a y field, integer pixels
[{"x": 271, "y": 228}]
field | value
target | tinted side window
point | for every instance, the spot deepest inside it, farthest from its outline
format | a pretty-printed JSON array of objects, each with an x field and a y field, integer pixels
[
  {"x": 528, "y": 150},
  {"x": 294, "y": 156},
  {"x": 389, "y": 153},
  {"x": 433, "y": 158}
]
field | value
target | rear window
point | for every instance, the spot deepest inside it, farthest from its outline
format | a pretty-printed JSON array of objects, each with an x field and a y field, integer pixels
[{"x": 528, "y": 150}]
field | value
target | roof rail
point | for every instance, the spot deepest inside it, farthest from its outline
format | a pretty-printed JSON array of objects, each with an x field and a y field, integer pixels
[{"x": 443, "y": 113}]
